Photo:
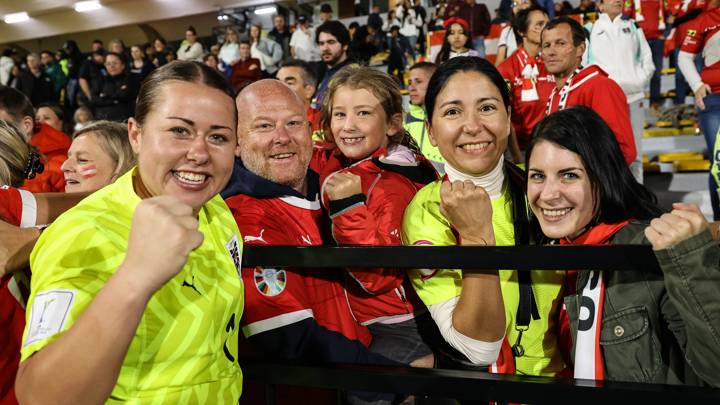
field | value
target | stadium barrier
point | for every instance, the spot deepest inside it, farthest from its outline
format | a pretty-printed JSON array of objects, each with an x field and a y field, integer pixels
[{"x": 463, "y": 385}]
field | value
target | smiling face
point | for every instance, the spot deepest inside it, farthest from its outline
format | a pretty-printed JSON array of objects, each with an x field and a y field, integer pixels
[
  {"x": 274, "y": 133},
  {"x": 359, "y": 123},
  {"x": 88, "y": 167},
  {"x": 187, "y": 144},
  {"x": 457, "y": 38},
  {"x": 559, "y": 191},
  {"x": 114, "y": 65},
  {"x": 47, "y": 115},
  {"x": 470, "y": 123}
]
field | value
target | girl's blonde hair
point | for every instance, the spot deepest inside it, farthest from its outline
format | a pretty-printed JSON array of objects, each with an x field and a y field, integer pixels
[
  {"x": 113, "y": 140},
  {"x": 14, "y": 155},
  {"x": 380, "y": 85}
]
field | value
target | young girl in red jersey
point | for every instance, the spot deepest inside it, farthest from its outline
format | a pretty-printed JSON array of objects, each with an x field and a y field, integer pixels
[{"x": 381, "y": 172}]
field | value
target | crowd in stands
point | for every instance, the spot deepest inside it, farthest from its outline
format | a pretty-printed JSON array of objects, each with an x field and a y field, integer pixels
[{"x": 154, "y": 166}]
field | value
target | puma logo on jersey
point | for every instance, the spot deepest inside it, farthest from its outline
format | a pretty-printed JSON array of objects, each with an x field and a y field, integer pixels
[
  {"x": 306, "y": 239},
  {"x": 259, "y": 238},
  {"x": 191, "y": 285}
]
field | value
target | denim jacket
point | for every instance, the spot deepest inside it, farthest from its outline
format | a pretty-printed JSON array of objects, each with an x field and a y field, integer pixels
[{"x": 661, "y": 327}]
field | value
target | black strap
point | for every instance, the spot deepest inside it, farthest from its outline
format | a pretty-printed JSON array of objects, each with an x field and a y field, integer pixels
[{"x": 527, "y": 306}]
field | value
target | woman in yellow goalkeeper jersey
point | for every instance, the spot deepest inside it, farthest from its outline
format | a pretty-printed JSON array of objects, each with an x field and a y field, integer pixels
[{"x": 135, "y": 294}]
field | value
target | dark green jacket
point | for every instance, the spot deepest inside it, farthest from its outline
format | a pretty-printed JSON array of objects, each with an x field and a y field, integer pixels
[{"x": 661, "y": 327}]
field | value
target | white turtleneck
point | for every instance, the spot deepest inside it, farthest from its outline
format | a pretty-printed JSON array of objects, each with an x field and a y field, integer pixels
[{"x": 492, "y": 181}]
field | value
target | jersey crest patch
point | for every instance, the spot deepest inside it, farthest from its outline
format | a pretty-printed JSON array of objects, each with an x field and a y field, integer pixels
[
  {"x": 691, "y": 33},
  {"x": 48, "y": 314},
  {"x": 270, "y": 282}
]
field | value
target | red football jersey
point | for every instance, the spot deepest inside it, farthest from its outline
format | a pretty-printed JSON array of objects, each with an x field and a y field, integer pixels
[{"x": 278, "y": 297}]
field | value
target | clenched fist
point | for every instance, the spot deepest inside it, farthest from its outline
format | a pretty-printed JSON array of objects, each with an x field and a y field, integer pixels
[
  {"x": 683, "y": 222},
  {"x": 469, "y": 211},
  {"x": 343, "y": 185},
  {"x": 164, "y": 231}
]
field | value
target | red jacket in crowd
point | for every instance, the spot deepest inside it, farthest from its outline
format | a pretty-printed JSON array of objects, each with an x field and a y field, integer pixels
[
  {"x": 530, "y": 87},
  {"x": 374, "y": 218},
  {"x": 592, "y": 88},
  {"x": 245, "y": 72},
  {"x": 12, "y": 312},
  {"x": 53, "y": 145},
  {"x": 702, "y": 32}
]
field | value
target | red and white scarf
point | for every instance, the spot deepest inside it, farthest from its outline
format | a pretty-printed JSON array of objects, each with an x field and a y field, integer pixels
[
  {"x": 530, "y": 73},
  {"x": 588, "y": 359}
]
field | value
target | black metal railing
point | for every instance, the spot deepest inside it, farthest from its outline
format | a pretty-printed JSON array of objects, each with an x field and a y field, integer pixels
[{"x": 464, "y": 384}]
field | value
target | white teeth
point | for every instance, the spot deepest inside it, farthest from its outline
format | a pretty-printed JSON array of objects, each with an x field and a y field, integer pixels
[
  {"x": 190, "y": 177},
  {"x": 282, "y": 156},
  {"x": 352, "y": 140},
  {"x": 476, "y": 146},
  {"x": 556, "y": 213}
]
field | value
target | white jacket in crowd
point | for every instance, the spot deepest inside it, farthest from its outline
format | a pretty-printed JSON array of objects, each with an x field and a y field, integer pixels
[
  {"x": 409, "y": 25},
  {"x": 619, "y": 47}
]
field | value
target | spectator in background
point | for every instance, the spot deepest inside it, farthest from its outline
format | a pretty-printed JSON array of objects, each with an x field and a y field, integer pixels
[
  {"x": 619, "y": 47},
  {"x": 190, "y": 48},
  {"x": 230, "y": 49},
  {"x": 35, "y": 83},
  {"x": 508, "y": 41},
  {"x": 391, "y": 20},
  {"x": 650, "y": 17},
  {"x": 326, "y": 13},
  {"x": 410, "y": 23},
  {"x": 585, "y": 7},
  {"x": 374, "y": 19},
  {"x": 90, "y": 74},
  {"x": 267, "y": 51},
  {"x": 400, "y": 52},
  {"x": 213, "y": 61},
  {"x": 118, "y": 46},
  {"x": 281, "y": 34},
  {"x": 246, "y": 70},
  {"x": 360, "y": 49},
  {"x": 302, "y": 42},
  {"x": 53, "y": 69},
  {"x": 82, "y": 117},
  {"x": 170, "y": 56},
  {"x": 300, "y": 77},
  {"x": 478, "y": 18},
  {"x": 52, "y": 115},
  {"x": 6, "y": 66},
  {"x": 422, "y": 15},
  {"x": 457, "y": 42},
  {"x": 160, "y": 51},
  {"x": 420, "y": 74},
  {"x": 75, "y": 60},
  {"x": 52, "y": 144},
  {"x": 140, "y": 64},
  {"x": 97, "y": 44},
  {"x": 113, "y": 96},
  {"x": 333, "y": 40},
  {"x": 375, "y": 39}
]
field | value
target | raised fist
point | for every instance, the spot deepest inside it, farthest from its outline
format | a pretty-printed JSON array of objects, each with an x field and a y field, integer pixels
[
  {"x": 164, "y": 231},
  {"x": 683, "y": 222},
  {"x": 343, "y": 185},
  {"x": 469, "y": 211}
]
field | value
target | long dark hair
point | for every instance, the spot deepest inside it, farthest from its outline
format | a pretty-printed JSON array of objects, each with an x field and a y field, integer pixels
[
  {"x": 444, "y": 53},
  {"x": 618, "y": 196},
  {"x": 463, "y": 64}
]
